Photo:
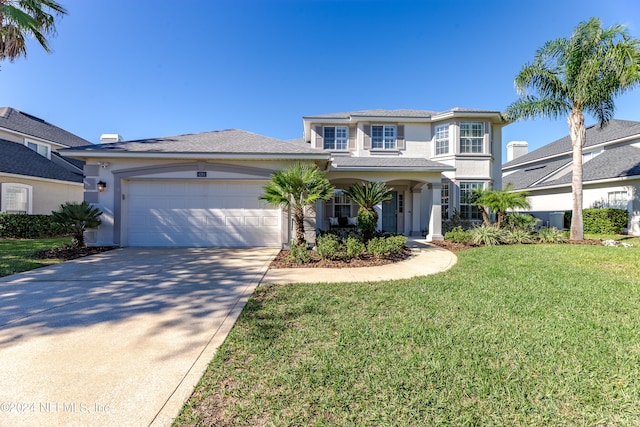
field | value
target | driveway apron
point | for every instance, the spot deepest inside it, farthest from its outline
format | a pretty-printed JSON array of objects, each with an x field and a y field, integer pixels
[{"x": 120, "y": 338}]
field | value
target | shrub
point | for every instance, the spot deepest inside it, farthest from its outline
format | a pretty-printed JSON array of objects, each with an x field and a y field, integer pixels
[
  {"x": 488, "y": 235},
  {"x": 518, "y": 236},
  {"x": 24, "y": 226},
  {"x": 328, "y": 246},
  {"x": 550, "y": 235},
  {"x": 354, "y": 247},
  {"x": 517, "y": 220},
  {"x": 367, "y": 222},
  {"x": 601, "y": 220},
  {"x": 458, "y": 235},
  {"x": 380, "y": 247},
  {"x": 299, "y": 253},
  {"x": 76, "y": 218}
]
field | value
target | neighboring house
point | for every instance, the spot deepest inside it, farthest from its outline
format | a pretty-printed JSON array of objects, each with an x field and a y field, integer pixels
[
  {"x": 34, "y": 177},
  {"x": 611, "y": 173},
  {"x": 202, "y": 189}
]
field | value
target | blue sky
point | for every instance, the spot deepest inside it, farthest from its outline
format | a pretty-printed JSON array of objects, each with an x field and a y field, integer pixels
[{"x": 150, "y": 68}]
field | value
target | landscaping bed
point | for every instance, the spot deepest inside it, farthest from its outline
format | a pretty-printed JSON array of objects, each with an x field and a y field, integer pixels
[
  {"x": 283, "y": 260},
  {"x": 67, "y": 252}
]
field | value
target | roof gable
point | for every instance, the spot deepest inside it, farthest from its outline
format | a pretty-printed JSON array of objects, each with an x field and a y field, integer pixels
[
  {"x": 20, "y": 160},
  {"x": 18, "y": 121}
]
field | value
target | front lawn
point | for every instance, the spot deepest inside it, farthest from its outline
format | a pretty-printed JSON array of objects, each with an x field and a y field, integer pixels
[
  {"x": 16, "y": 255},
  {"x": 511, "y": 335}
]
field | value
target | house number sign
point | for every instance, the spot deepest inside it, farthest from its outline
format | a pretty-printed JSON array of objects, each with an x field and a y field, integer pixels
[{"x": 202, "y": 174}]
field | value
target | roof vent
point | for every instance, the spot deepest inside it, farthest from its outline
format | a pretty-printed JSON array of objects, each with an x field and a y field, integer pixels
[{"x": 106, "y": 138}]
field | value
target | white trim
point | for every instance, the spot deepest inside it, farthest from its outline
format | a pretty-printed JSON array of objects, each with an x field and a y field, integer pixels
[
  {"x": 99, "y": 154},
  {"x": 38, "y": 144},
  {"x": 5, "y": 185},
  {"x": 598, "y": 181},
  {"x": 37, "y": 178}
]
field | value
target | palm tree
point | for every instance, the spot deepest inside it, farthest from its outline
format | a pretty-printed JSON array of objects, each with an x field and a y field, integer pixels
[
  {"x": 500, "y": 201},
  {"x": 297, "y": 187},
  {"x": 367, "y": 196},
  {"x": 76, "y": 218},
  {"x": 22, "y": 18},
  {"x": 570, "y": 76}
]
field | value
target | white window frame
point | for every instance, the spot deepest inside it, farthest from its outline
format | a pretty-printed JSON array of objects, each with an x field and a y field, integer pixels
[
  {"x": 38, "y": 147},
  {"x": 441, "y": 140},
  {"x": 620, "y": 199},
  {"x": 340, "y": 140},
  {"x": 445, "y": 200},
  {"x": 469, "y": 211},
  {"x": 340, "y": 199},
  {"x": 388, "y": 140},
  {"x": 472, "y": 141},
  {"x": 5, "y": 187}
]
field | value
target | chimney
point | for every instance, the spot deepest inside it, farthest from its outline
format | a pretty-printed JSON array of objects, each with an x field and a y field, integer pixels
[
  {"x": 516, "y": 149},
  {"x": 105, "y": 138}
]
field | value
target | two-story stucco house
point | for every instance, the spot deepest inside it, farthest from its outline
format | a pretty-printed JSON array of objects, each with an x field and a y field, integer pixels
[{"x": 202, "y": 189}]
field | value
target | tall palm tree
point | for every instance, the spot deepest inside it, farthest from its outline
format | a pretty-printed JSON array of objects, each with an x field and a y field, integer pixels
[
  {"x": 22, "y": 18},
  {"x": 297, "y": 187},
  {"x": 583, "y": 73},
  {"x": 500, "y": 201},
  {"x": 367, "y": 196}
]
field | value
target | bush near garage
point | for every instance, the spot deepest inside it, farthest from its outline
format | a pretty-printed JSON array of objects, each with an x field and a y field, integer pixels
[{"x": 26, "y": 226}]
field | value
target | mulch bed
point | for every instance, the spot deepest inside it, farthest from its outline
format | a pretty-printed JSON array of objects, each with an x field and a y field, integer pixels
[
  {"x": 281, "y": 261},
  {"x": 68, "y": 252}
]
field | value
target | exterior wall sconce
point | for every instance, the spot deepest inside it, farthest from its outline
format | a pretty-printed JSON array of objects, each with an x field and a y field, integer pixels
[{"x": 102, "y": 186}]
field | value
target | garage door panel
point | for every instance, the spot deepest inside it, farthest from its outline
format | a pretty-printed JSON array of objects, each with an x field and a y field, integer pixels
[{"x": 200, "y": 214}]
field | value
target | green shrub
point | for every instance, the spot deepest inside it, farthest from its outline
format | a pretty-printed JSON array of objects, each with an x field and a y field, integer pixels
[
  {"x": 601, "y": 220},
  {"x": 299, "y": 253},
  {"x": 380, "y": 247},
  {"x": 517, "y": 220},
  {"x": 328, "y": 246},
  {"x": 458, "y": 235},
  {"x": 550, "y": 235},
  {"x": 354, "y": 247},
  {"x": 367, "y": 222},
  {"x": 24, "y": 226},
  {"x": 487, "y": 235},
  {"x": 518, "y": 236}
]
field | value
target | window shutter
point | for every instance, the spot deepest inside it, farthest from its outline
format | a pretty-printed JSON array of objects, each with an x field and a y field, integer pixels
[
  {"x": 367, "y": 136},
  {"x": 352, "y": 137},
  {"x": 400, "y": 137},
  {"x": 319, "y": 137}
]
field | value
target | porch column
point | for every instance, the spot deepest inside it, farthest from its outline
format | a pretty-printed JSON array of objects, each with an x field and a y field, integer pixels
[
  {"x": 416, "y": 213},
  {"x": 435, "y": 219},
  {"x": 378, "y": 209}
]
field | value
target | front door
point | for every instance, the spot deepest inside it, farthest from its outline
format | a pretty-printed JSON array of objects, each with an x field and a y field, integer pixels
[{"x": 390, "y": 214}]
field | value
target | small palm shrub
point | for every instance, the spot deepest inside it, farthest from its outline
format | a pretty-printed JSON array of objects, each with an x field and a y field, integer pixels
[
  {"x": 367, "y": 222},
  {"x": 76, "y": 218},
  {"x": 550, "y": 235},
  {"x": 380, "y": 247},
  {"x": 299, "y": 253},
  {"x": 328, "y": 246},
  {"x": 458, "y": 235},
  {"x": 488, "y": 235},
  {"x": 354, "y": 247},
  {"x": 518, "y": 236}
]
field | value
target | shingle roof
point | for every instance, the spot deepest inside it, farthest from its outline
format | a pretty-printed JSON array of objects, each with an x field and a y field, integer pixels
[
  {"x": 20, "y": 160},
  {"x": 616, "y": 129},
  {"x": 528, "y": 175},
  {"x": 231, "y": 141},
  {"x": 18, "y": 121},
  {"x": 344, "y": 162}
]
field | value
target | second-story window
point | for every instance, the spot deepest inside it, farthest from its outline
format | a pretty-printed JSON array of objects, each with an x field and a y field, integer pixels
[
  {"x": 336, "y": 137},
  {"x": 442, "y": 139},
  {"x": 383, "y": 137},
  {"x": 471, "y": 137}
]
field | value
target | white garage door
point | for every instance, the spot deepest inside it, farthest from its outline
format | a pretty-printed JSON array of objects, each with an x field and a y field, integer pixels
[{"x": 200, "y": 214}]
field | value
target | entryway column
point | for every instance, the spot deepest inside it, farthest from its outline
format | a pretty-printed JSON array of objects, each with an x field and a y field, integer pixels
[
  {"x": 435, "y": 219},
  {"x": 416, "y": 213}
]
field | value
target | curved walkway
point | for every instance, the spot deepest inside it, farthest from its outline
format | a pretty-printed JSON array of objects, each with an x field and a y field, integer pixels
[{"x": 426, "y": 259}]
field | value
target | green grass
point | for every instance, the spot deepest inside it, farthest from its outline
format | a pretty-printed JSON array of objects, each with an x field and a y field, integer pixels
[
  {"x": 512, "y": 335},
  {"x": 635, "y": 241},
  {"x": 16, "y": 255}
]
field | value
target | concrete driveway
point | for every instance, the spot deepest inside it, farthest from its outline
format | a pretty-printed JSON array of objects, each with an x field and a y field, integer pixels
[{"x": 118, "y": 338}]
